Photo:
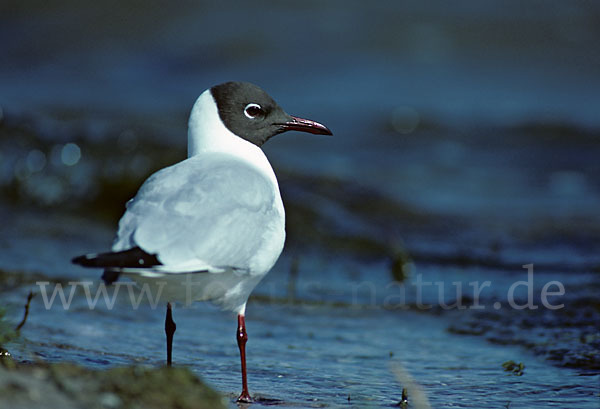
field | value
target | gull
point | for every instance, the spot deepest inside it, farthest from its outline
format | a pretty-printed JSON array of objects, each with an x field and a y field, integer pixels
[{"x": 210, "y": 227}]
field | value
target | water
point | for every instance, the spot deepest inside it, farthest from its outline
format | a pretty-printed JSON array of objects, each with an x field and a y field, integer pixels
[
  {"x": 311, "y": 356},
  {"x": 466, "y": 146},
  {"x": 343, "y": 334}
]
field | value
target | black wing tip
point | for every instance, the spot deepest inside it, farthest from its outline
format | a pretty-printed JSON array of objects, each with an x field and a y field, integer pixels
[
  {"x": 133, "y": 258},
  {"x": 91, "y": 260},
  {"x": 86, "y": 260}
]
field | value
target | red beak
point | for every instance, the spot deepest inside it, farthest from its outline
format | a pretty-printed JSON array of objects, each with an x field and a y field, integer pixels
[{"x": 305, "y": 125}]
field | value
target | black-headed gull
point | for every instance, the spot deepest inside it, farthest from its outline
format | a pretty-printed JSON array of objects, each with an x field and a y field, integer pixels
[{"x": 209, "y": 228}]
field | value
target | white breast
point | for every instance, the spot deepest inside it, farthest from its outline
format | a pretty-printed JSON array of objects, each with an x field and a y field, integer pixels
[
  {"x": 207, "y": 133},
  {"x": 219, "y": 211}
]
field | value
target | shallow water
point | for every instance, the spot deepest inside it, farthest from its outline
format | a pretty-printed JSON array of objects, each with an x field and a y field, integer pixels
[
  {"x": 343, "y": 336},
  {"x": 311, "y": 356},
  {"x": 466, "y": 146}
]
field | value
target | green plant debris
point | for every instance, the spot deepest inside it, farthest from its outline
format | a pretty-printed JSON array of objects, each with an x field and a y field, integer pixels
[
  {"x": 516, "y": 369},
  {"x": 72, "y": 386},
  {"x": 7, "y": 332}
]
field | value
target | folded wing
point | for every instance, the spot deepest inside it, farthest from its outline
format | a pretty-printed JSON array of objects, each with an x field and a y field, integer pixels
[{"x": 209, "y": 212}]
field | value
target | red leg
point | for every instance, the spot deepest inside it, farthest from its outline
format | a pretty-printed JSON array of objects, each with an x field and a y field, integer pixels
[
  {"x": 242, "y": 337},
  {"x": 170, "y": 328}
]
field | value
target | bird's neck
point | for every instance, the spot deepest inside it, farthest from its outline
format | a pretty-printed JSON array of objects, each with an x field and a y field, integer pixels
[{"x": 206, "y": 133}]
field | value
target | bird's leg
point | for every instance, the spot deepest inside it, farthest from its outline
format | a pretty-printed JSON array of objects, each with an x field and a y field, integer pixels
[
  {"x": 242, "y": 337},
  {"x": 170, "y": 328}
]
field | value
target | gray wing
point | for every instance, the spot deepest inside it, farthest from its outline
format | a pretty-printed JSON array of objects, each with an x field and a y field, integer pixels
[{"x": 207, "y": 212}]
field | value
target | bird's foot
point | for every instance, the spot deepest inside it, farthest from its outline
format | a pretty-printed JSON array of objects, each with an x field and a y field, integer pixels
[{"x": 244, "y": 398}]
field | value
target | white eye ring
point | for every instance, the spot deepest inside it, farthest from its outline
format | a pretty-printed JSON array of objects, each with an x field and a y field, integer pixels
[{"x": 251, "y": 110}]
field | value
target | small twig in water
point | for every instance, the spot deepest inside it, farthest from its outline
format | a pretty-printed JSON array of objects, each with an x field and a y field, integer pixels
[
  {"x": 404, "y": 400},
  {"x": 29, "y": 297},
  {"x": 418, "y": 398}
]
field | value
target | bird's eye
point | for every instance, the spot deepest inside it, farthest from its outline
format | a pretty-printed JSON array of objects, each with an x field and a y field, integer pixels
[{"x": 253, "y": 110}]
